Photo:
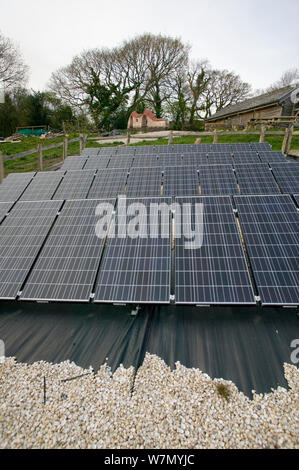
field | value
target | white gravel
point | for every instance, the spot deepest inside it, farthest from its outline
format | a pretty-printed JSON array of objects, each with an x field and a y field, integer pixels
[{"x": 166, "y": 408}]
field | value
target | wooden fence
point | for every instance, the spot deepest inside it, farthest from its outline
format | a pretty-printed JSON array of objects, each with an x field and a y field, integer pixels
[{"x": 286, "y": 144}]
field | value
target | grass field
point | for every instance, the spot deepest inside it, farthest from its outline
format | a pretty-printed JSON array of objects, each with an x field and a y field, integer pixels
[{"x": 54, "y": 156}]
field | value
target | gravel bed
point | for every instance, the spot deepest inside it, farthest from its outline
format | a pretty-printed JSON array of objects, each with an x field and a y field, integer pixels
[{"x": 157, "y": 408}]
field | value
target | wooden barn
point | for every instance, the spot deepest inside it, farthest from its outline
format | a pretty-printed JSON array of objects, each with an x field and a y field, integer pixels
[{"x": 281, "y": 102}]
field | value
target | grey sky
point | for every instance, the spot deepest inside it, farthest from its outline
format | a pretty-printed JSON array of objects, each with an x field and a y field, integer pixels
[{"x": 258, "y": 39}]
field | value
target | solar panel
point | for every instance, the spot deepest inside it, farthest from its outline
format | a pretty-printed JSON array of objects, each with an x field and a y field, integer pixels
[
  {"x": 22, "y": 234},
  {"x": 215, "y": 272},
  {"x": 75, "y": 185},
  {"x": 145, "y": 161},
  {"x": 108, "y": 183},
  {"x": 253, "y": 179},
  {"x": 13, "y": 186},
  {"x": 170, "y": 160},
  {"x": 67, "y": 265},
  {"x": 180, "y": 181},
  {"x": 246, "y": 158},
  {"x": 260, "y": 146},
  {"x": 121, "y": 162},
  {"x": 217, "y": 180},
  {"x": 107, "y": 151},
  {"x": 146, "y": 149},
  {"x": 198, "y": 148},
  {"x": 94, "y": 163},
  {"x": 91, "y": 151},
  {"x": 73, "y": 163},
  {"x": 4, "y": 208},
  {"x": 144, "y": 182},
  {"x": 240, "y": 147},
  {"x": 221, "y": 147},
  {"x": 215, "y": 158},
  {"x": 287, "y": 176},
  {"x": 137, "y": 269},
  {"x": 194, "y": 159},
  {"x": 42, "y": 186},
  {"x": 270, "y": 228},
  {"x": 272, "y": 157}
]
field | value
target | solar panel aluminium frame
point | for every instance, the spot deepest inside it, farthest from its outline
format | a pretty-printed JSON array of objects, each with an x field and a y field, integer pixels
[
  {"x": 136, "y": 301},
  {"x": 62, "y": 230},
  {"x": 226, "y": 200},
  {"x": 265, "y": 244}
]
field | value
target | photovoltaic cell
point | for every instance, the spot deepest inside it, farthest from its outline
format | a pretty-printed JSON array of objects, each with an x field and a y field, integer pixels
[
  {"x": 215, "y": 272},
  {"x": 270, "y": 228},
  {"x": 121, "y": 162},
  {"x": 180, "y": 181},
  {"x": 22, "y": 234},
  {"x": 137, "y": 270},
  {"x": 144, "y": 182},
  {"x": 246, "y": 158},
  {"x": 187, "y": 148},
  {"x": 4, "y": 208},
  {"x": 217, "y": 180},
  {"x": 91, "y": 151},
  {"x": 194, "y": 159},
  {"x": 170, "y": 160},
  {"x": 93, "y": 163},
  {"x": 75, "y": 185},
  {"x": 13, "y": 186},
  {"x": 254, "y": 179},
  {"x": 272, "y": 157},
  {"x": 260, "y": 146},
  {"x": 240, "y": 147},
  {"x": 287, "y": 176},
  {"x": 221, "y": 147},
  {"x": 145, "y": 161},
  {"x": 108, "y": 183},
  {"x": 74, "y": 163},
  {"x": 217, "y": 158},
  {"x": 67, "y": 265},
  {"x": 42, "y": 186}
]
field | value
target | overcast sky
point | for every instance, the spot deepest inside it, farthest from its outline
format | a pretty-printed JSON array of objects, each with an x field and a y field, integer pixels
[{"x": 258, "y": 39}]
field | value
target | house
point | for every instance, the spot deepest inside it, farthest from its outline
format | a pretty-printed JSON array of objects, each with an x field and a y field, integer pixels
[
  {"x": 281, "y": 102},
  {"x": 146, "y": 121}
]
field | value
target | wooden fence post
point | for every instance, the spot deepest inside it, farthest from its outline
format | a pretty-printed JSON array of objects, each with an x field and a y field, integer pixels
[
  {"x": 262, "y": 134},
  {"x": 198, "y": 140},
  {"x": 170, "y": 138},
  {"x": 40, "y": 157},
  {"x": 215, "y": 136},
  {"x": 290, "y": 135},
  {"x": 128, "y": 137},
  {"x": 84, "y": 140},
  {"x": 80, "y": 144},
  {"x": 285, "y": 140},
  {"x": 1, "y": 168},
  {"x": 64, "y": 151}
]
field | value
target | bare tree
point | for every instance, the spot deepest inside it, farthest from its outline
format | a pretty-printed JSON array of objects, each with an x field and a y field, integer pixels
[
  {"x": 224, "y": 89},
  {"x": 287, "y": 78},
  {"x": 13, "y": 71}
]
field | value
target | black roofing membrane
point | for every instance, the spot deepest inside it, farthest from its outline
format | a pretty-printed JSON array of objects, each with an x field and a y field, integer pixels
[{"x": 247, "y": 345}]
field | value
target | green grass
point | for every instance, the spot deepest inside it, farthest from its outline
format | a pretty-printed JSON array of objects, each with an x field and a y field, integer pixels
[
  {"x": 54, "y": 156},
  {"x": 30, "y": 163}
]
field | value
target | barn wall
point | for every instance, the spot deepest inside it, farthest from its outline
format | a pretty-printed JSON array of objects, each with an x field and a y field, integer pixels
[{"x": 243, "y": 118}]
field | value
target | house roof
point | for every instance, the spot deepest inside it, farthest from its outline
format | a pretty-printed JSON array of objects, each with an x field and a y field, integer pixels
[
  {"x": 148, "y": 113},
  {"x": 256, "y": 102}
]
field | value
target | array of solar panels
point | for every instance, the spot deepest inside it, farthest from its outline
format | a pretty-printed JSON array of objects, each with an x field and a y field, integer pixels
[{"x": 248, "y": 250}]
